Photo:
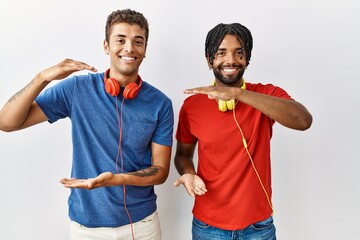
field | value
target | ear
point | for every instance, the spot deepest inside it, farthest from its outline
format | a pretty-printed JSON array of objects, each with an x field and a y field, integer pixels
[
  {"x": 208, "y": 62},
  {"x": 106, "y": 47}
]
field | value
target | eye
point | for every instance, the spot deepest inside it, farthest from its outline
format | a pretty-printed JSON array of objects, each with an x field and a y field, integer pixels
[
  {"x": 240, "y": 52},
  {"x": 120, "y": 41},
  {"x": 139, "y": 42},
  {"x": 220, "y": 54}
]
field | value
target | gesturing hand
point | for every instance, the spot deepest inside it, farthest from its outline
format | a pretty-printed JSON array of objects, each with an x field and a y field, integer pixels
[
  {"x": 193, "y": 184},
  {"x": 222, "y": 93},
  {"x": 100, "y": 181},
  {"x": 64, "y": 69}
]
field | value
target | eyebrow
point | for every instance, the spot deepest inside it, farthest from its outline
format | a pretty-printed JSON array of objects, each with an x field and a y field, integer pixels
[
  {"x": 122, "y": 35},
  {"x": 224, "y": 49}
]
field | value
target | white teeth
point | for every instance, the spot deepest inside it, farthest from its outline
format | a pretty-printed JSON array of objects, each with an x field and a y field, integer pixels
[
  {"x": 128, "y": 58},
  {"x": 229, "y": 70}
]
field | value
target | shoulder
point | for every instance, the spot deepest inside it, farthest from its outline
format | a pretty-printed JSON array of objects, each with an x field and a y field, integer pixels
[
  {"x": 80, "y": 79},
  {"x": 259, "y": 87},
  {"x": 195, "y": 98},
  {"x": 268, "y": 89},
  {"x": 94, "y": 77},
  {"x": 262, "y": 87},
  {"x": 152, "y": 92}
]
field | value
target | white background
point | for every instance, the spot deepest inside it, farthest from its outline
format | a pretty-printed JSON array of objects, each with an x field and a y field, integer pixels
[{"x": 309, "y": 47}]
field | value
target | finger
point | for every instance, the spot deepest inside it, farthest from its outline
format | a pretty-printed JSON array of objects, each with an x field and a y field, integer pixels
[
  {"x": 67, "y": 180},
  {"x": 77, "y": 65},
  {"x": 198, "y": 90},
  {"x": 190, "y": 191},
  {"x": 200, "y": 190},
  {"x": 83, "y": 66},
  {"x": 176, "y": 183},
  {"x": 64, "y": 180}
]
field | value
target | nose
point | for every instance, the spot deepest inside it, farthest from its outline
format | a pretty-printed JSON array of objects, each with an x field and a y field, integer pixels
[
  {"x": 230, "y": 58},
  {"x": 128, "y": 46}
]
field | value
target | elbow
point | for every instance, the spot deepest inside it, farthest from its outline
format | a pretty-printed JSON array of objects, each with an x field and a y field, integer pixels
[
  {"x": 305, "y": 123},
  {"x": 8, "y": 127},
  {"x": 162, "y": 179},
  {"x": 6, "y": 124}
]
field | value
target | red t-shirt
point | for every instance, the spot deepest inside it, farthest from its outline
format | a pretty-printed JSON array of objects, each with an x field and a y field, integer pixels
[{"x": 235, "y": 198}]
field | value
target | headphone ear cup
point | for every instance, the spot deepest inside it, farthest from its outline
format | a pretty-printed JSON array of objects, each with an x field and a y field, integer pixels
[
  {"x": 226, "y": 105},
  {"x": 230, "y": 104},
  {"x": 222, "y": 105},
  {"x": 131, "y": 90},
  {"x": 112, "y": 87}
]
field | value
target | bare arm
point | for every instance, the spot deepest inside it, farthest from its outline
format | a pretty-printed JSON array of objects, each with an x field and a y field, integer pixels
[
  {"x": 184, "y": 158},
  {"x": 193, "y": 184},
  {"x": 289, "y": 113},
  {"x": 21, "y": 111},
  {"x": 156, "y": 174}
]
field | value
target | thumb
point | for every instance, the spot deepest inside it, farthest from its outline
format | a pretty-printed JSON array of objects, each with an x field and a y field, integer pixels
[
  {"x": 211, "y": 96},
  {"x": 177, "y": 183}
]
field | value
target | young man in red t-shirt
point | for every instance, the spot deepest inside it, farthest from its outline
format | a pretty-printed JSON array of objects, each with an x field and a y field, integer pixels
[{"x": 232, "y": 183}]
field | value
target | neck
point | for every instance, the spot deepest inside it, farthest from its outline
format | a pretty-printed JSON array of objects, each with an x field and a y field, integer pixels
[
  {"x": 240, "y": 84},
  {"x": 124, "y": 79}
]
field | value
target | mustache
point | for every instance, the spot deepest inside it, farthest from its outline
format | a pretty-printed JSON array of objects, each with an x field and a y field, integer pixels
[{"x": 232, "y": 66}]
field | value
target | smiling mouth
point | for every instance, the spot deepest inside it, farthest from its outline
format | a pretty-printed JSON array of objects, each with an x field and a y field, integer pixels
[
  {"x": 128, "y": 59},
  {"x": 229, "y": 70}
]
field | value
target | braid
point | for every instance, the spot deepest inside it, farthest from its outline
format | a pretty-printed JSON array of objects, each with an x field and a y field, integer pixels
[{"x": 217, "y": 34}]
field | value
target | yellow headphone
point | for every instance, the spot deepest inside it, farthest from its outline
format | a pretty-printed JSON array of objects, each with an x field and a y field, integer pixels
[{"x": 230, "y": 104}]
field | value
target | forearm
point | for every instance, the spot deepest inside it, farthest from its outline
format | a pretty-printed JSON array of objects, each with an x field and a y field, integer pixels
[
  {"x": 15, "y": 113},
  {"x": 289, "y": 113},
  {"x": 184, "y": 165},
  {"x": 153, "y": 175},
  {"x": 146, "y": 177},
  {"x": 16, "y": 110}
]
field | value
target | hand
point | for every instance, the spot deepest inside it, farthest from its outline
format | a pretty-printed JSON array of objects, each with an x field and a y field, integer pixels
[
  {"x": 214, "y": 92},
  {"x": 91, "y": 183},
  {"x": 64, "y": 69},
  {"x": 193, "y": 184}
]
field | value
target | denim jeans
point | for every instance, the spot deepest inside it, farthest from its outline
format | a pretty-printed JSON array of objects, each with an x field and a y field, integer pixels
[{"x": 264, "y": 230}]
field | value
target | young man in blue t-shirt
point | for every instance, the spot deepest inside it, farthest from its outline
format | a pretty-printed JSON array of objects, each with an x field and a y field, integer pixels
[{"x": 121, "y": 132}]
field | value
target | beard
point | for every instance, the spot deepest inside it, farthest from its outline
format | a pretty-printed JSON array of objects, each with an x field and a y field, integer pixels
[{"x": 229, "y": 80}]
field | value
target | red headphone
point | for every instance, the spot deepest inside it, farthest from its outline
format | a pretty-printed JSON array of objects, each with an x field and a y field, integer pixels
[{"x": 112, "y": 87}]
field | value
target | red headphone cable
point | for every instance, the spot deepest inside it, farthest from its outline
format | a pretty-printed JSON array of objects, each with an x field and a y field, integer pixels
[{"x": 122, "y": 160}]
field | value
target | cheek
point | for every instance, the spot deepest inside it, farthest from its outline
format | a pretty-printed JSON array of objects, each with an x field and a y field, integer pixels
[{"x": 141, "y": 51}]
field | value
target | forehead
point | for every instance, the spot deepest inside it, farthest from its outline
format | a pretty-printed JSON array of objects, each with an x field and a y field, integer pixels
[
  {"x": 230, "y": 41},
  {"x": 127, "y": 30}
]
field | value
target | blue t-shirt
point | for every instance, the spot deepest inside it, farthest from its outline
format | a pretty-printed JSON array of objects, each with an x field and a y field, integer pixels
[{"x": 95, "y": 118}]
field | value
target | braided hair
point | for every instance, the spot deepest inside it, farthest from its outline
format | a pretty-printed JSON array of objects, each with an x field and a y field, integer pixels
[{"x": 217, "y": 34}]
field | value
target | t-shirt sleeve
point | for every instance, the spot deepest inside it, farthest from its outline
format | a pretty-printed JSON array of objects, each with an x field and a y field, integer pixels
[
  {"x": 55, "y": 101},
  {"x": 276, "y": 91},
  {"x": 164, "y": 132},
  {"x": 183, "y": 133}
]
